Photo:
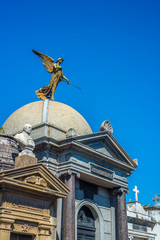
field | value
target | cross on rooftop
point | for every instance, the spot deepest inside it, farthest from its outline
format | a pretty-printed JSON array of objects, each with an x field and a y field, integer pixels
[
  {"x": 156, "y": 198},
  {"x": 136, "y": 193}
]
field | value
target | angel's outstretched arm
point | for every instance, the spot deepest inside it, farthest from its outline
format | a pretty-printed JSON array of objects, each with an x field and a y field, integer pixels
[{"x": 66, "y": 79}]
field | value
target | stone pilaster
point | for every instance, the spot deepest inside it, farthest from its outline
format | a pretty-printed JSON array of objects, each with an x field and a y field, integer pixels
[
  {"x": 69, "y": 209},
  {"x": 121, "y": 214},
  {"x": 5, "y": 228}
]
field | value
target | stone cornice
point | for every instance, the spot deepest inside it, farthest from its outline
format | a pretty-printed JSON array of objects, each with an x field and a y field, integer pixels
[
  {"x": 141, "y": 221},
  {"x": 101, "y": 155},
  {"x": 101, "y": 135},
  {"x": 74, "y": 146},
  {"x": 88, "y": 172}
]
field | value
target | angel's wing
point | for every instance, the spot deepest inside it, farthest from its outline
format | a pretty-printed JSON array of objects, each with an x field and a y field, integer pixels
[{"x": 47, "y": 61}]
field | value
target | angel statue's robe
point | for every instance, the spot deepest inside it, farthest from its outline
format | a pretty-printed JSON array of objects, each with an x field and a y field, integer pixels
[{"x": 48, "y": 92}]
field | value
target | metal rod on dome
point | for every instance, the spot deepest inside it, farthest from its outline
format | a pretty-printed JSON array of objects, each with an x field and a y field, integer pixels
[
  {"x": 71, "y": 84},
  {"x": 45, "y": 106}
]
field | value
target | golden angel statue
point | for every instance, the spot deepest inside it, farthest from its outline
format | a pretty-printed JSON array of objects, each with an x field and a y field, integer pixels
[{"x": 57, "y": 76}]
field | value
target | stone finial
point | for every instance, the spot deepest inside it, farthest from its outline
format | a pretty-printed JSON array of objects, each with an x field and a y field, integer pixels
[
  {"x": 106, "y": 126},
  {"x": 25, "y": 141},
  {"x": 71, "y": 133},
  {"x": 136, "y": 193},
  {"x": 135, "y": 161}
]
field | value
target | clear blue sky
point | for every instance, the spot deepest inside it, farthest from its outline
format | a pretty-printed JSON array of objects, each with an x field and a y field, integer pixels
[{"x": 111, "y": 49}]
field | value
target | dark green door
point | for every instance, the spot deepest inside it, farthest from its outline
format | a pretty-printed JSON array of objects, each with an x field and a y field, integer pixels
[{"x": 85, "y": 224}]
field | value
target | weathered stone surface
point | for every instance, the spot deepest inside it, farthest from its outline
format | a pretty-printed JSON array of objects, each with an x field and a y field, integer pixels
[
  {"x": 106, "y": 214},
  {"x": 24, "y": 160},
  {"x": 8, "y": 151},
  {"x": 107, "y": 236},
  {"x": 57, "y": 114},
  {"x": 71, "y": 133},
  {"x": 31, "y": 211}
]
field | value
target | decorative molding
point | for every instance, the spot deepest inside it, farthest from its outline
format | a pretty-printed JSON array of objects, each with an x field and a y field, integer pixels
[
  {"x": 26, "y": 208},
  {"x": 142, "y": 222},
  {"x": 25, "y": 228},
  {"x": 106, "y": 126}
]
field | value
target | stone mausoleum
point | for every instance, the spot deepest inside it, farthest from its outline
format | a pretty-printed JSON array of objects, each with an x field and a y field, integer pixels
[
  {"x": 143, "y": 220},
  {"x": 93, "y": 166}
]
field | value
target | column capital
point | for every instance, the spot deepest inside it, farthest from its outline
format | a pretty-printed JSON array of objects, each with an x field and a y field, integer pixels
[
  {"x": 119, "y": 191},
  {"x": 6, "y": 223},
  {"x": 130, "y": 237},
  {"x": 68, "y": 172},
  {"x": 5, "y": 228},
  {"x": 44, "y": 230}
]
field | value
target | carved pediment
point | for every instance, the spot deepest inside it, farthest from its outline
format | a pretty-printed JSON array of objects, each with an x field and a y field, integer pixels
[
  {"x": 35, "y": 178},
  {"x": 106, "y": 149},
  {"x": 104, "y": 145}
]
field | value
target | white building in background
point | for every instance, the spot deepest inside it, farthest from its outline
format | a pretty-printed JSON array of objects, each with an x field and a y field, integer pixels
[{"x": 143, "y": 221}]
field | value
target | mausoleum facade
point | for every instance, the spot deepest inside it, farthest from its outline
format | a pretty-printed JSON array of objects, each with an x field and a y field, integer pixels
[{"x": 93, "y": 166}]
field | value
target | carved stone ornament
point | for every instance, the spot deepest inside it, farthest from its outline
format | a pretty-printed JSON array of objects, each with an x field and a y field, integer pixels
[
  {"x": 106, "y": 126},
  {"x": 71, "y": 133},
  {"x": 25, "y": 228},
  {"x": 135, "y": 161},
  {"x": 25, "y": 141},
  {"x": 36, "y": 180}
]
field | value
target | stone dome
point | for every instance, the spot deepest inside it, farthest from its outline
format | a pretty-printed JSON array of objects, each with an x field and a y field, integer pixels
[{"x": 55, "y": 113}]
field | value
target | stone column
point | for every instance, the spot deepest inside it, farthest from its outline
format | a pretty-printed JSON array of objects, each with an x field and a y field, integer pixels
[
  {"x": 5, "y": 228},
  {"x": 69, "y": 209},
  {"x": 122, "y": 225}
]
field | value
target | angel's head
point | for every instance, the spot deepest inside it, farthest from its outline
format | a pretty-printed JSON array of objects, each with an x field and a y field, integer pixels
[{"x": 60, "y": 60}]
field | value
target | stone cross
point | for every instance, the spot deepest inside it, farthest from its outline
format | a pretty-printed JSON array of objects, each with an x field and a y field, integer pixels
[
  {"x": 156, "y": 198},
  {"x": 136, "y": 193}
]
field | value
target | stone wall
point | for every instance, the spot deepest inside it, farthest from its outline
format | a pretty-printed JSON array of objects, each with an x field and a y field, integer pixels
[{"x": 8, "y": 151}]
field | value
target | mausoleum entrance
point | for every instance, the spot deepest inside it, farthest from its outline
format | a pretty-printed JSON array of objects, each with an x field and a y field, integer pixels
[
  {"x": 21, "y": 237},
  {"x": 86, "y": 229}
]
